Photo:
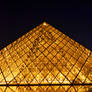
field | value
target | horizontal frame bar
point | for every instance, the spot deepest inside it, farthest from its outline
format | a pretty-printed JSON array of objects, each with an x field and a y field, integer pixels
[{"x": 86, "y": 84}]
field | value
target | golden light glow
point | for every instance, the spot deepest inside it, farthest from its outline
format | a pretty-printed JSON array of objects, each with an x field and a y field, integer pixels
[
  {"x": 44, "y": 23},
  {"x": 45, "y": 56}
]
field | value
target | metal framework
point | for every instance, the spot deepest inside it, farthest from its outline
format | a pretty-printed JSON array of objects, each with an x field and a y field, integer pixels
[{"x": 45, "y": 60}]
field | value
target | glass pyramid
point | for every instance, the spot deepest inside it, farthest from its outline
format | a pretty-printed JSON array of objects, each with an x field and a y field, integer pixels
[{"x": 45, "y": 60}]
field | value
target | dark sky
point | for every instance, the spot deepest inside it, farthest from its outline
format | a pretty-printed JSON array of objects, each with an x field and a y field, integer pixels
[{"x": 75, "y": 16}]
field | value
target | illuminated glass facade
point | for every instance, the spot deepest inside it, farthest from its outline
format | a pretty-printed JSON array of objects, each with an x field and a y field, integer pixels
[{"x": 45, "y": 60}]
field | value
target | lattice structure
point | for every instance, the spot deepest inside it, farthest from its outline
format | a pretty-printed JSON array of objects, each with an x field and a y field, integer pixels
[{"x": 45, "y": 60}]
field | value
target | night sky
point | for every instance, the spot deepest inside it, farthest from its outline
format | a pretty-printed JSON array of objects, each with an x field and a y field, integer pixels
[{"x": 75, "y": 17}]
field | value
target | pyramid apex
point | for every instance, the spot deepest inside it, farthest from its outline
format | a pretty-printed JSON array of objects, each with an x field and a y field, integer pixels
[{"x": 44, "y": 23}]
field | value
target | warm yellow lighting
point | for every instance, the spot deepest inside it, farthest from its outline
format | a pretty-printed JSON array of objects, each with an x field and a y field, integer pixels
[
  {"x": 44, "y": 23},
  {"x": 45, "y": 56}
]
